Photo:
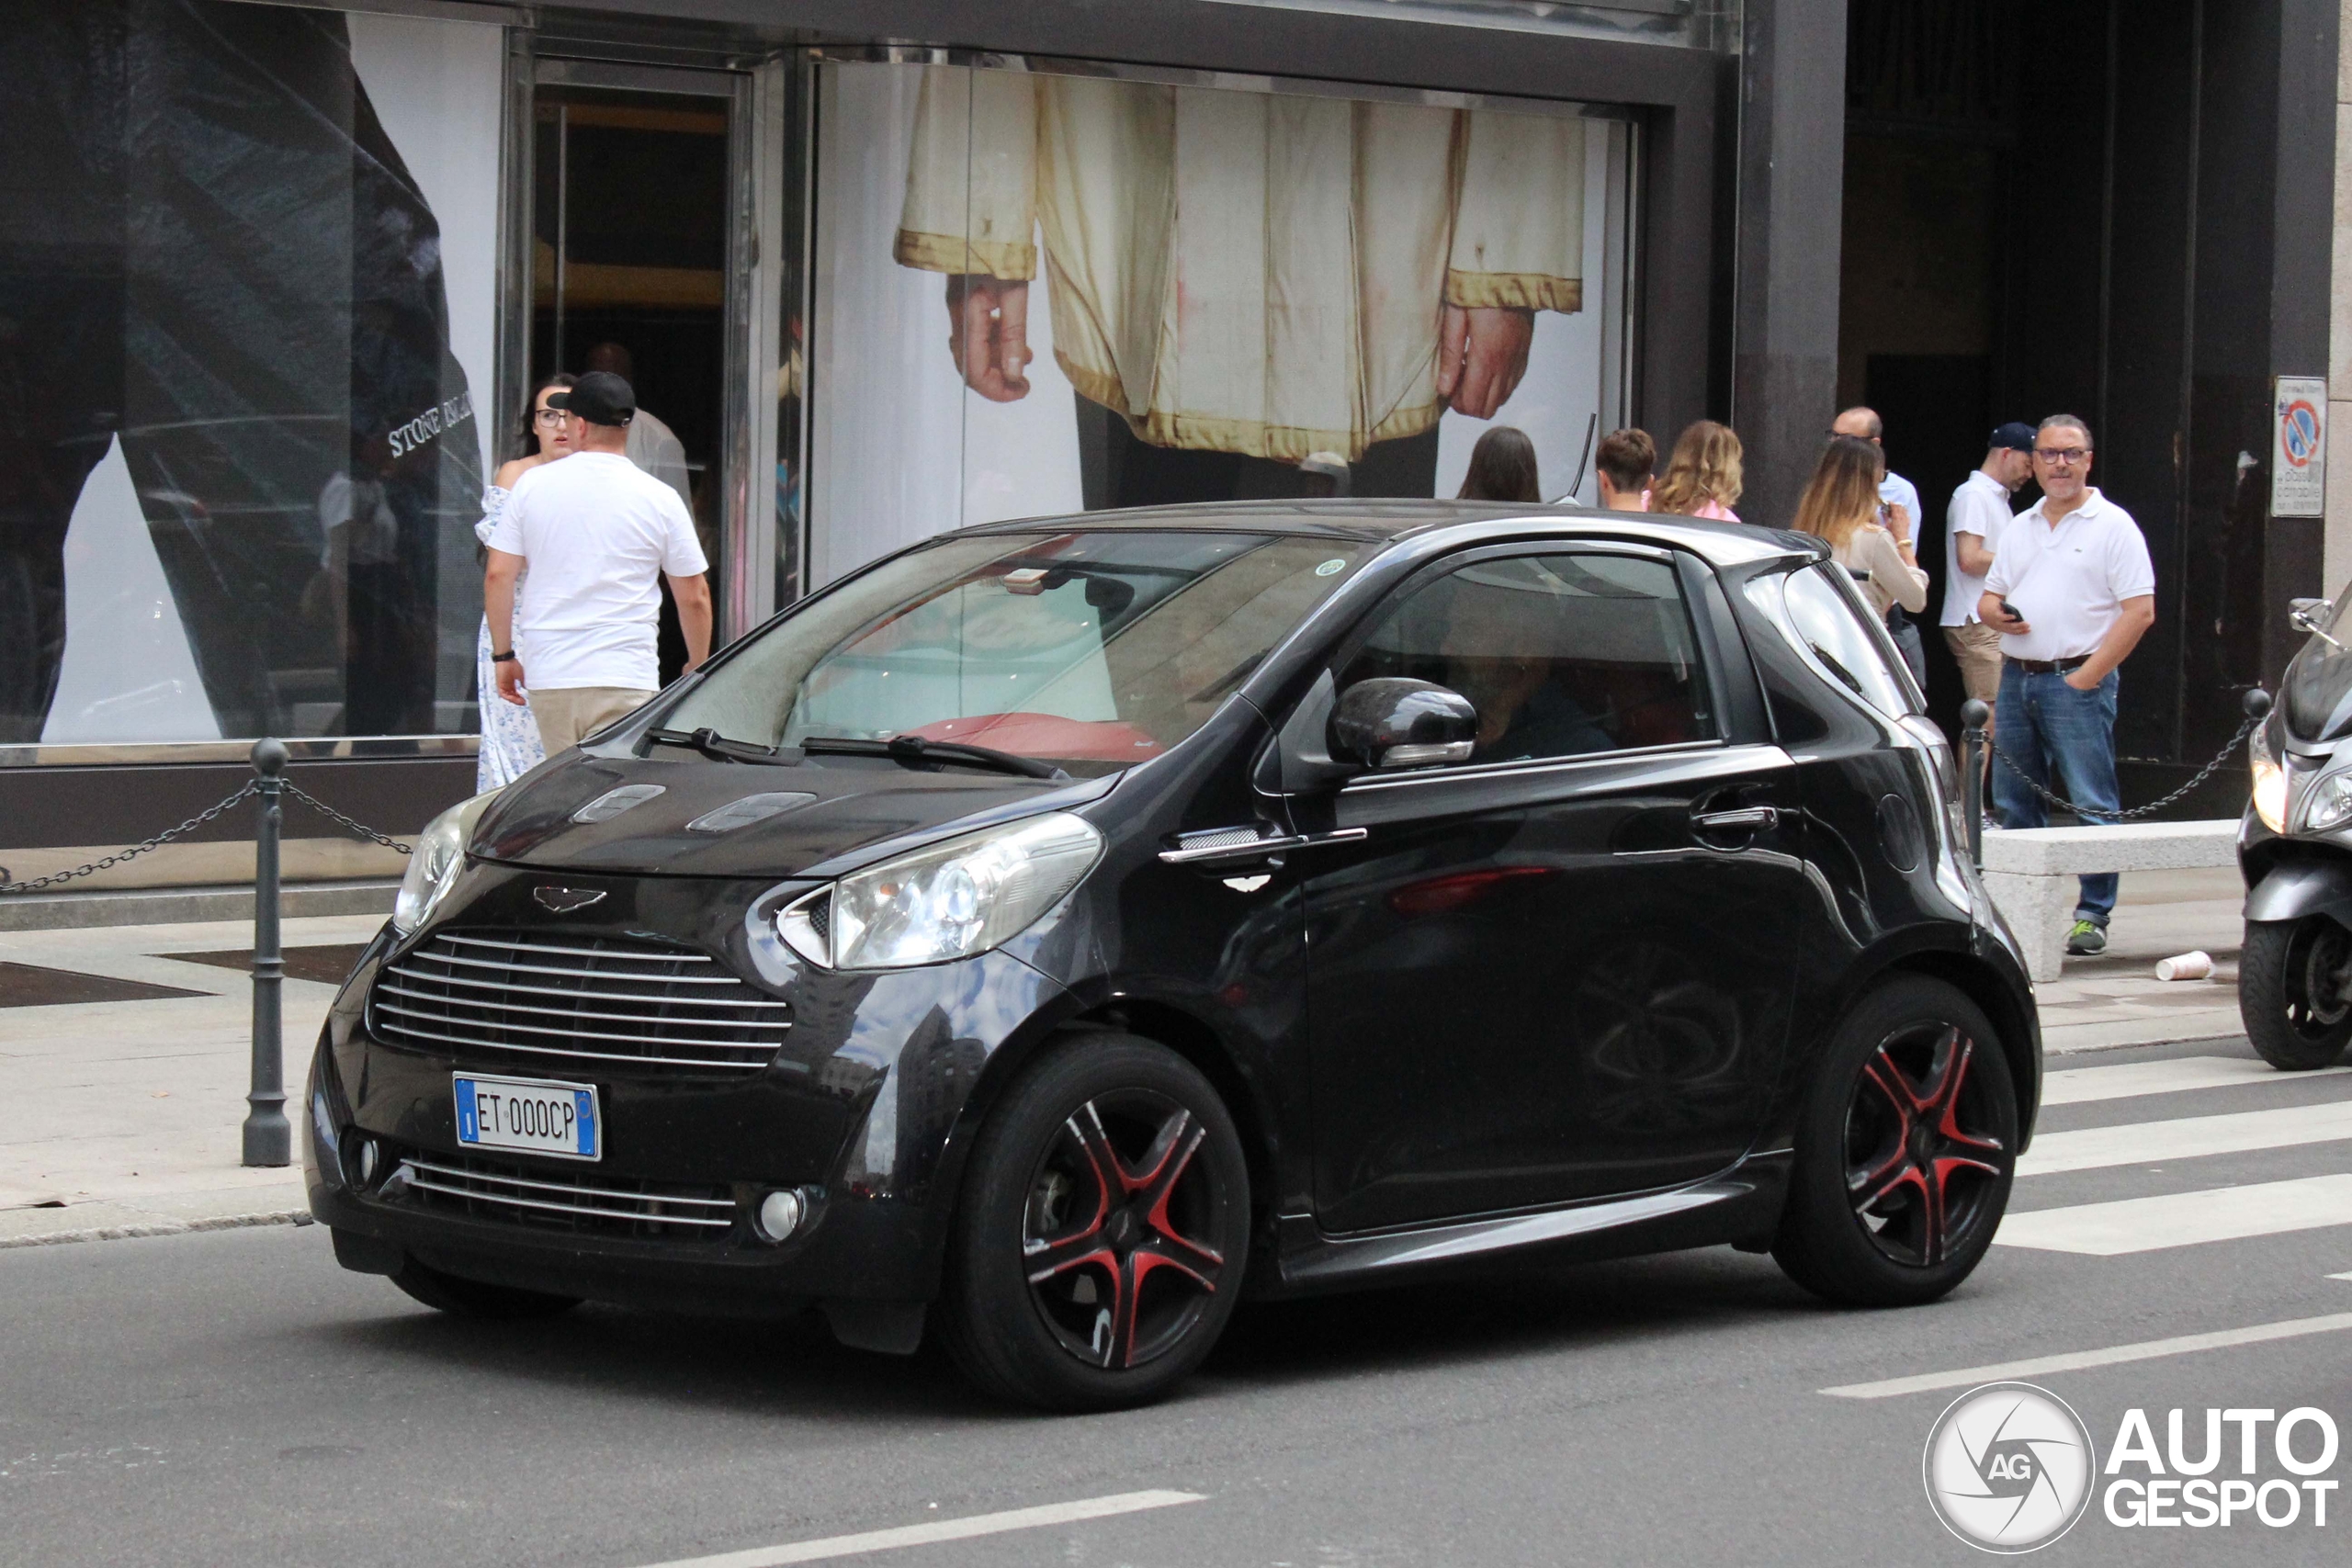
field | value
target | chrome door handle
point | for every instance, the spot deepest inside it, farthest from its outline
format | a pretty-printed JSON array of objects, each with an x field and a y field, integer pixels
[
  {"x": 1245, "y": 851},
  {"x": 1752, "y": 819}
]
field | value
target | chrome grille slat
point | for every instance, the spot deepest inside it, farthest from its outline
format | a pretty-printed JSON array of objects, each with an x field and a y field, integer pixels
[
  {"x": 577, "y": 951},
  {"x": 635, "y": 1059},
  {"x": 498, "y": 1191},
  {"x": 692, "y": 1040},
  {"x": 595, "y": 1016},
  {"x": 576, "y": 1188},
  {"x": 579, "y": 974},
  {"x": 600, "y": 995},
  {"x": 622, "y": 1001}
]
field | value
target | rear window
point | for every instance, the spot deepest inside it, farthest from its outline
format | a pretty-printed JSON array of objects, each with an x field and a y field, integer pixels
[{"x": 1830, "y": 621}]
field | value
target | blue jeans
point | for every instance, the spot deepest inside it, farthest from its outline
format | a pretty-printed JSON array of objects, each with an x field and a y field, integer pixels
[{"x": 2048, "y": 726}]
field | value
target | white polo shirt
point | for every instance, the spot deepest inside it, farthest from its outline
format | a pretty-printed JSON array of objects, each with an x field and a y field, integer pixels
[
  {"x": 597, "y": 532},
  {"x": 2069, "y": 582},
  {"x": 1980, "y": 506}
]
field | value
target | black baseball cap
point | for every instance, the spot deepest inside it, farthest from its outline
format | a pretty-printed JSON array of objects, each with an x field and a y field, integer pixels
[
  {"x": 2017, "y": 436},
  {"x": 600, "y": 398}
]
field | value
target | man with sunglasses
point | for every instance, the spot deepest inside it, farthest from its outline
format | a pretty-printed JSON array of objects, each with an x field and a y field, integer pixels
[{"x": 2071, "y": 592}]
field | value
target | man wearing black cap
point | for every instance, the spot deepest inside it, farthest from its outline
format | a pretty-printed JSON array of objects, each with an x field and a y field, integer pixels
[
  {"x": 597, "y": 532},
  {"x": 1972, "y": 525}
]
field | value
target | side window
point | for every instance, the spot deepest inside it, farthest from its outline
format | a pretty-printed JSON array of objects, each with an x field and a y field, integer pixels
[
  {"x": 1834, "y": 626},
  {"x": 1561, "y": 654}
]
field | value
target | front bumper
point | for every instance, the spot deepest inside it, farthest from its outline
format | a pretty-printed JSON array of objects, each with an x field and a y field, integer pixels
[{"x": 863, "y": 1110}]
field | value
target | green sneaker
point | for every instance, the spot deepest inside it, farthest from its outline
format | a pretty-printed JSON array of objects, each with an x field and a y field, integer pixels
[{"x": 2086, "y": 938}]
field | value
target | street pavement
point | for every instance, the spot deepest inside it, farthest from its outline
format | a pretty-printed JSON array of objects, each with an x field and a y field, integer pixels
[{"x": 233, "y": 1398}]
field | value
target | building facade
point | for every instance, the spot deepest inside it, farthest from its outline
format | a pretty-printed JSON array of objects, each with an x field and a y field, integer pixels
[{"x": 277, "y": 281}]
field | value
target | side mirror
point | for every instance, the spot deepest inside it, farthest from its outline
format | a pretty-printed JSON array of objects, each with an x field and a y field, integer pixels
[
  {"x": 1396, "y": 722},
  {"x": 2313, "y": 615}
]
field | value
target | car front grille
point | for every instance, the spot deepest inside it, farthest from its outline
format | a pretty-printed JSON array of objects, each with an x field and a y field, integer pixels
[
  {"x": 571, "y": 999},
  {"x": 591, "y": 1203}
]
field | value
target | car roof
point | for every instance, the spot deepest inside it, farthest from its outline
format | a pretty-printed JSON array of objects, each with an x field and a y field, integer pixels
[{"x": 1390, "y": 521}]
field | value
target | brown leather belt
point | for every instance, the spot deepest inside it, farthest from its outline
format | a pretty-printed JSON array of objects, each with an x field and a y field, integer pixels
[{"x": 2049, "y": 666}]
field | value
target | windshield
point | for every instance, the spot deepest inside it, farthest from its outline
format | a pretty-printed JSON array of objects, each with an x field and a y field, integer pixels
[
  {"x": 2318, "y": 687},
  {"x": 1091, "y": 650}
]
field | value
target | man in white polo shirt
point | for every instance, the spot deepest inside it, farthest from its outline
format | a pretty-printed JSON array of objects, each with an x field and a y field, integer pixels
[
  {"x": 2071, "y": 592},
  {"x": 597, "y": 532},
  {"x": 1973, "y": 523}
]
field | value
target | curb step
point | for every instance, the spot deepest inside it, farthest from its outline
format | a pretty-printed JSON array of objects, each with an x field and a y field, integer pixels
[{"x": 171, "y": 905}]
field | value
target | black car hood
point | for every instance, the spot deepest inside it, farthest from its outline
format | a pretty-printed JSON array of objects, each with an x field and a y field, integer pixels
[{"x": 858, "y": 805}]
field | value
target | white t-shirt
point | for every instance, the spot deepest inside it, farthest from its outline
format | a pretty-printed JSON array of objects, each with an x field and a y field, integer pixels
[
  {"x": 2069, "y": 582},
  {"x": 1980, "y": 506},
  {"x": 598, "y": 532}
]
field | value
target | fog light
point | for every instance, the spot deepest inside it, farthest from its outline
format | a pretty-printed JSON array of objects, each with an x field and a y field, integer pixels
[
  {"x": 781, "y": 1213},
  {"x": 369, "y": 1158}
]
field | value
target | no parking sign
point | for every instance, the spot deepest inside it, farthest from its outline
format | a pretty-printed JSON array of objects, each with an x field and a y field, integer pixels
[{"x": 2299, "y": 446}]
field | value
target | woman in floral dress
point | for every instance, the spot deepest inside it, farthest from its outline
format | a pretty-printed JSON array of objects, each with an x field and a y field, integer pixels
[{"x": 510, "y": 737}]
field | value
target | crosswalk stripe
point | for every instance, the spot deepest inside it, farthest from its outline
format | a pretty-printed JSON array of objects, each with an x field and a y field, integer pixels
[
  {"x": 2074, "y": 1085},
  {"x": 2183, "y": 1219},
  {"x": 2187, "y": 1137},
  {"x": 2079, "y": 1361}
]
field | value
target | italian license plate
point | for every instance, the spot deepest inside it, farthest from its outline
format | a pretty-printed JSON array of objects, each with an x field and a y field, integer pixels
[{"x": 534, "y": 1115}]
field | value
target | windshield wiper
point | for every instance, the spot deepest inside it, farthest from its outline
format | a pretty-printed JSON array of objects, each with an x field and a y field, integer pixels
[
  {"x": 912, "y": 750},
  {"x": 710, "y": 743}
]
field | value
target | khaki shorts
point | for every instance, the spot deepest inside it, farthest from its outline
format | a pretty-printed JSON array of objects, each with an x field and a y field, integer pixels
[
  {"x": 566, "y": 713},
  {"x": 1977, "y": 647}
]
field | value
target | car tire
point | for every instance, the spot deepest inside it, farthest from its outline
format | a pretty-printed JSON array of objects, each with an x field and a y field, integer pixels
[
  {"x": 471, "y": 1297},
  {"x": 1071, "y": 1286},
  {"x": 1905, "y": 1152},
  {"x": 2293, "y": 1031}
]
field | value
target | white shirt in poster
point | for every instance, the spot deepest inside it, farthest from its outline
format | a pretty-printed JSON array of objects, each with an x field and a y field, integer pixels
[
  {"x": 598, "y": 532},
  {"x": 2070, "y": 581},
  {"x": 1980, "y": 506}
]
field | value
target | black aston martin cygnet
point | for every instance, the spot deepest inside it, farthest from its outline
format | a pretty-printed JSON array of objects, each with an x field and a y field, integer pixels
[{"x": 1061, "y": 928}]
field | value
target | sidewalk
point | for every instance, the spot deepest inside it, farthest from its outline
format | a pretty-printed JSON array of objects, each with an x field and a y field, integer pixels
[{"x": 120, "y": 1117}]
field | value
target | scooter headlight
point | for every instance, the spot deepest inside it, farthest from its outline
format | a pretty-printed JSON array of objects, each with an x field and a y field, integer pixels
[
  {"x": 2330, "y": 803},
  {"x": 2270, "y": 782}
]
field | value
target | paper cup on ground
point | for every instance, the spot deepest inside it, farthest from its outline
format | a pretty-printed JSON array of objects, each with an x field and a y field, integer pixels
[{"x": 2184, "y": 967}]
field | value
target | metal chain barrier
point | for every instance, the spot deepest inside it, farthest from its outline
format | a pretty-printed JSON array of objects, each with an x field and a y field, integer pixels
[
  {"x": 323, "y": 809},
  {"x": 2099, "y": 817},
  {"x": 244, "y": 793}
]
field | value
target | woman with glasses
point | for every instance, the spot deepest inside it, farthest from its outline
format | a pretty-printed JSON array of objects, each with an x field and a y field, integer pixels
[{"x": 510, "y": 736}]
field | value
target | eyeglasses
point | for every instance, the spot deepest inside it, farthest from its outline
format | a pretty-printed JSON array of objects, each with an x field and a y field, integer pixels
[
  {"x": 549, "y": 417},
  {"x": 2060, "y": 456}
]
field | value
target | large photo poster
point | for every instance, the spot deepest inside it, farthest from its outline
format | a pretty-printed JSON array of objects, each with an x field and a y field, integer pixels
[
  {"x": 1040, "y": 292},
  {"x": 251, "y": 271}
]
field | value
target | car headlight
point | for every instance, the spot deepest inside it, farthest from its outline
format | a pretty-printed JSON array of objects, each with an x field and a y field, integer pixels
[
  {"x": 948, "y": 901},
  {"x": 2270, "y": 782},
  {"x": 434, "y": 865},
  {"x": 2329, "y": 803}
]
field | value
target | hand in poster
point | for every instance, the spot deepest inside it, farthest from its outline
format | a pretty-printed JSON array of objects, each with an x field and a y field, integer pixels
[
  {"x": 987, "y": 332},
  {"x": 1481, "y": 354}
]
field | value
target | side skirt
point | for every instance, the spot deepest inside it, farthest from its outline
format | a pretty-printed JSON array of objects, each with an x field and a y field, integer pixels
[{"x": 1740, "y": 1207}]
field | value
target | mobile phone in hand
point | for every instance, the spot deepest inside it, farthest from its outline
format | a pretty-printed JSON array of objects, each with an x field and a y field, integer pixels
[{"x": 2010, "y": 610}]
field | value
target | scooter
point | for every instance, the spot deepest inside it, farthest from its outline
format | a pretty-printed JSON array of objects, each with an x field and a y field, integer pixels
[{"x": 2295, "y": 852}]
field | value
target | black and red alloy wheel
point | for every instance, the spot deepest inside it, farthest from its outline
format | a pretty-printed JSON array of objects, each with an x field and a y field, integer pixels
[
  {"x": 1114, "y": 1240},
  {"x": 1924, "y": 1153}
]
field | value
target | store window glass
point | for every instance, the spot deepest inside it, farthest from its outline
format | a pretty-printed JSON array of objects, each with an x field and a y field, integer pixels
[
  {"x": 249, "y": 263},
  {"x": 1042, "y": 292}
]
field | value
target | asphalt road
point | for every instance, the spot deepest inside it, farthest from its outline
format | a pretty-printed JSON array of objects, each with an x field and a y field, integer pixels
[{"x": 233, "y": 1398}]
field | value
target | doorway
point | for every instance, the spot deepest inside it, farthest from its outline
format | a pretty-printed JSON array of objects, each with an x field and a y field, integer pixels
[{"x": 631, "y": 268}]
